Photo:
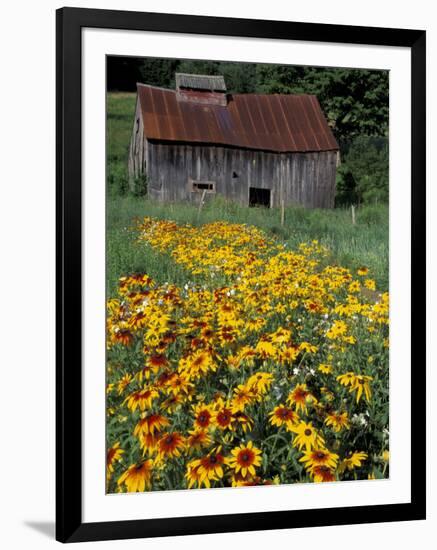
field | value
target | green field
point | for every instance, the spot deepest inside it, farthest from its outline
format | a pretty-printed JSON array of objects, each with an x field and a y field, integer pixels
[
  {"x": 120, "y": 116},
  {"x": 365, "y": 243}
]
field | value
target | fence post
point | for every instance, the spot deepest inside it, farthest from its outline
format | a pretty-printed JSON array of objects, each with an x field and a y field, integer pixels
[
  {"x": 202, "y": 199},
  {"x": 353, "y": 214}
]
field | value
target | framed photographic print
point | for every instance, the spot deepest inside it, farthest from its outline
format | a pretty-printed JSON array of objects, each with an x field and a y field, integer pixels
[{"x": 240, "y": 274}]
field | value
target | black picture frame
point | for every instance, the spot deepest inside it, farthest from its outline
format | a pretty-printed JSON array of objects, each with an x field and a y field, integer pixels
[{"x": 69, "y": 525}]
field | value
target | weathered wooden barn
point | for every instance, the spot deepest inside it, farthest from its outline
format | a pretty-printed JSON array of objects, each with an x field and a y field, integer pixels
[{"x": 255, "y": 149}]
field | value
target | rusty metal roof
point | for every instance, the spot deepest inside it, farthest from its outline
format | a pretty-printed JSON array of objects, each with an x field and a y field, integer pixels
[
  {"x": 201, "y": 82},
  {"x": 276, "y": 122}
]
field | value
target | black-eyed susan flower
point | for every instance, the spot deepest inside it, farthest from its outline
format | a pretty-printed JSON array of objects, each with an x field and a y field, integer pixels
[
  {"x": 265, "y": 349},
  {"x": 198, "y": 439},
  {"x": 354, "y": 460},
  {"x": 137, "y": 477},
  {"x": 322, "y": 474},
  {"x": 203, "y": 415},
  {"x": 237, "y": 480},
  {"x": 354, "y": 286},
  {"x": 346, "y": 379},
  {"x": 300, "y": 397},
  {"x": 242, "y": 397},
  {"x": 283, "y": 416},
  {"x": 197, "y": 365},
  {"x": 222, "y": 416},
  {"x": 208, "y": 468},
  {"x": 122, "y": 336},
  {"x": 325, "y": 368},
  {"x": 245, "y": 459},
  {"x": 149, "y": 442},
  {"x": 306, "y": 436},
  {"x": 113, "y": 455},
  {"x": 141, "y": 399},
  {"x": 123, "y": 383},
  {"x": 357, "y": 383},
  {"x": 319, "y": 457},
  {"x": 361, "y": 385},
  {"x": 245, "y": 421},
  {"x": 370, "y": 284},
  {"x": 150, "y": 424},
  {"x": 170, "y": 445},
  {"x": 307, "y": 347},
  {"x": 157, "y": 361},
  {"x": 337, "y": 330},
  {"x": 181, "y": 385},
  {"x": 192, "y": 475},
  {"x": 288, "y": 355},
  {"x": 337, "y": 421},
  {"x": 260, "y": 383}
]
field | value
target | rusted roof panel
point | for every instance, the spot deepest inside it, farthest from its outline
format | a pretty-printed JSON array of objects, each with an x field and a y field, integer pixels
[{"x": 277, "y": 122}]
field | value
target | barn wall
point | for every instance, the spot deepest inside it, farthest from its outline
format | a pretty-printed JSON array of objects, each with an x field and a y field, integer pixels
[
  {"x": 137, "y": 148},
  {"x": 300, "y": 178}
]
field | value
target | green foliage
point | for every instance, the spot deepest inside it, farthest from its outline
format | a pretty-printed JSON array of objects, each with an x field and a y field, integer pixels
[
  {"x": 346, "y": 187},
  {"x": 367, "y": 160},
  {"x": 138, "y": 186},
  {"x": 117, "y": 179},
  {"x": 363, "y": 177},
  {"x": 159, "y": 72}
]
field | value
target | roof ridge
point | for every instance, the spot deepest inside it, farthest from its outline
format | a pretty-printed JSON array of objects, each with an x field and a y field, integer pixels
[
  {"x": 155, "y": 87},
  {"x": 230, "y": 93}
]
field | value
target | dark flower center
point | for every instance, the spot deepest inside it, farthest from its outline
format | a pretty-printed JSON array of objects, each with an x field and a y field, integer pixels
[
  {"x": 308, "y": 432},
  {"x": 203, "y": 418}
]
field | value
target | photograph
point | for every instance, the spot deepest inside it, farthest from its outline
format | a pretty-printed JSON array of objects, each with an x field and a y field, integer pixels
[{"x": 247, "y": 274}]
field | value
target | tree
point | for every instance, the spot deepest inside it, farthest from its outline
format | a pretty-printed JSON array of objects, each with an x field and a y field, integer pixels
[
  {"x": 366, "y": 170},
  {"x": 159, "y": 72}
]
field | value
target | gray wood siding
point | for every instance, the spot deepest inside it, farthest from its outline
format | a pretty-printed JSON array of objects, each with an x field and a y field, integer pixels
[
  {"x": 306, "y": 179},
  {"x": 137, "y": 148}
]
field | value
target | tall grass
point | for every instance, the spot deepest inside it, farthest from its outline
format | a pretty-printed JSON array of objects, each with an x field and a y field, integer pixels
[
  {"x": 119, "y": 122},
  {"x": 365, "y": 243}
]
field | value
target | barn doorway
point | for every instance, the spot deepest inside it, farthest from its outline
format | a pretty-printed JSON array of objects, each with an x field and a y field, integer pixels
[{"x": 259, "y": 197}]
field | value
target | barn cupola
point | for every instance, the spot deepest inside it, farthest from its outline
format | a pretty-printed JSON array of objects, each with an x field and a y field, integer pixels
[{"x": 203, "y": 89}]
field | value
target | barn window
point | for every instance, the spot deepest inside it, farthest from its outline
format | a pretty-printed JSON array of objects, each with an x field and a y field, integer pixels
[
  {"x": 201, "y": 186},
  {"x": 138, "y": 126},
  {"x": 259, "y": 197}
]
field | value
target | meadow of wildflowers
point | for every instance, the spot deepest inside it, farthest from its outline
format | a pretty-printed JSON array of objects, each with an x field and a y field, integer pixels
[{"x": 266, "y": 366}]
